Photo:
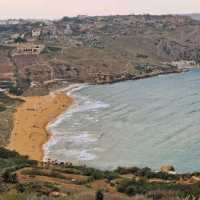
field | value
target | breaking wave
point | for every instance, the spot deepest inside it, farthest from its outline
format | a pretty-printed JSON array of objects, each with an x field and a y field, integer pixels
[
  {"x": 75, "y": 144},
  {"x": 142, "y": 123}
]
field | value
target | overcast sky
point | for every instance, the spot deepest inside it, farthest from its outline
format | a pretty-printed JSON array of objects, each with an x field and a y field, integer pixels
[{"x": 59, "y": 8}]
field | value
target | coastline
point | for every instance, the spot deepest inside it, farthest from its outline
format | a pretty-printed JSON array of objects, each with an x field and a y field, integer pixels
[
  {"x": 30, "y": 138},
  {"x": 150, "y": 75},
  {"x": 32, "y": 118},
  {"x": 31, "y": 121}
]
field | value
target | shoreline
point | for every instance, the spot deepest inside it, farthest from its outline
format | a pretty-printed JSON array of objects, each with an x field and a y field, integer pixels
[
  {"x": 68, "y": 92},
  {"x": 150, "y": 75},
  {"x": 27, "y": 108},
  {"x": 29, "y": 136}
]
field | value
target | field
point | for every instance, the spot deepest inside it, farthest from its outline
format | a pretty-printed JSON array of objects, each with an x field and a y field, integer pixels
[{"x": 22, "y": 178}]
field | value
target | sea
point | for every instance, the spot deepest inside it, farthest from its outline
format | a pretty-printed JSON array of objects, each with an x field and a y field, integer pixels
[{"x": 148, "y": 122}]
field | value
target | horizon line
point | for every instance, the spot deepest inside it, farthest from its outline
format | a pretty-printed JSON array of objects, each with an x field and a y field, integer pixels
[{"x": 107, "y": 15}]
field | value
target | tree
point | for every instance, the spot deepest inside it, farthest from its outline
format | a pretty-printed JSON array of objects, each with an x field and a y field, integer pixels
[
  {"x": 99, "y": 195},
  {"x": 20, "y": 40},
  {"x": 10, "y": 177}
]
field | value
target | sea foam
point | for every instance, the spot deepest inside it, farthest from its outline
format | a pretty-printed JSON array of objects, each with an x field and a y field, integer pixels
[{"x": 74, "y": 143}]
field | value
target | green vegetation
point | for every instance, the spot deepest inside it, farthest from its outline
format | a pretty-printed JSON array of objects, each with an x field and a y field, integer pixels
[
  {"x": 147, "y": 173},
  {"x": 77, "y": 49},
  {"x": 14, "y": 195},
  {"x": 2, "y": 108},
  {"x": 93, "y": 174},
  {"x": 15, "y": 90},
  {"x": 41, "y": 172},
  {"x": 99, "y": 195},
  {"x": 52, "y": 51},
  {"x": 11, "y": 160},
  {"x": 132, "y": 187},
  {"x": 20, "y": 40},
  {"x": 21, "y": 83},
  {"x": 14, "y": 168},
  {"x": 7, "y": 108}
]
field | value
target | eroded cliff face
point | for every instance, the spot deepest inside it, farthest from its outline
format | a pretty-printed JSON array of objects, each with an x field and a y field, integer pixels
[
  {"x": 102, "y": 49},
  {"x": 183, "y": 46}
]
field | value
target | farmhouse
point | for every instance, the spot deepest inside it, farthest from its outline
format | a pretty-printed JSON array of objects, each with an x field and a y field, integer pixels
[{"x": 29, "y": 48}]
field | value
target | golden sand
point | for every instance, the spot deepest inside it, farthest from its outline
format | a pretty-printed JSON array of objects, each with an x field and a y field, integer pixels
[{"x": 31, "y": 119}]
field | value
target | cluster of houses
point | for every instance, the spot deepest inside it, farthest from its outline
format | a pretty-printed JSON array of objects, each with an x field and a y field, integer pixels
[
  {"x": 183, "y": 64},
  {"x": 74, "y": 32},
  {"x": 101, "y": 78}
]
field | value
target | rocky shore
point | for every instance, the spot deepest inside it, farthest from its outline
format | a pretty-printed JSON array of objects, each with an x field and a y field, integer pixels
[{"x": 107, "y": 78}]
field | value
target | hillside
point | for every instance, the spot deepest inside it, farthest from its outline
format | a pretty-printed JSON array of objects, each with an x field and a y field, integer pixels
[
  {"x": 38, "y": 56},
  {"x": 96, "y": 49},
  {"x": 7, "y": 108},
  {"x": 195, "y": 16},
  {"x": 25, "y": 179}
]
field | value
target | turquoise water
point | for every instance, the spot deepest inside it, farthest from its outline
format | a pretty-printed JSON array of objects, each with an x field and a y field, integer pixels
[{"x": 147, "y": 122}]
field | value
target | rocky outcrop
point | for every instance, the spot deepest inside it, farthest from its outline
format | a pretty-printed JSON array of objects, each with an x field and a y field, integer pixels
[{"x": 169, "y": 169}]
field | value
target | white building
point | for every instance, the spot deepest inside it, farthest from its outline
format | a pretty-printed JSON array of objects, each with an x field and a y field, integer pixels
[
  {"x": 185, "y": 64},
  {"x": 36, "y": 32}
]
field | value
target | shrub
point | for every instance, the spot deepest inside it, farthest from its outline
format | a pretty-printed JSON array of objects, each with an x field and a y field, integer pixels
[
  {"x": 2, "y": 108},
  {"x": 20, "y": 40},
  {"x": 96, "y": 175},
  {"x": 111, "y": 175},
  {"x": 15, "y": 90},
  {"x": 13, "y": 196},
  {"x": 131, "y": 187},
  {"x": 21, "y": 188},
  {"x": 148, "y": 173},
  {"x": 4, "y": 153},
  {"x": 141, "y": 56},
  {"x": 12, "y": 161},
  {"x": 99, "y": 195},
  {"x": 9, "y": 177},
  {"x": 134, "y": 189},
  {"x": 121, "y": 187},
  {"x": 51, "y": 51}
]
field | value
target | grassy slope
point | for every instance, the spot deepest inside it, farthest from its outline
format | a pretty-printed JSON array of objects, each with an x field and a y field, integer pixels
[
  {"x": 21, "y": 178},
  {"x": 8, "y": 107}
]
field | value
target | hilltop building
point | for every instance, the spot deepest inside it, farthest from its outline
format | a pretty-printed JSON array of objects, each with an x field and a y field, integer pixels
[{"x": 36, "y": 32}]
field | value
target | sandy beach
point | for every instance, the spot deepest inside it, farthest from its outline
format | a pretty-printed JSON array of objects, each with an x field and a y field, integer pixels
[{"x": 30, "y": 122}]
